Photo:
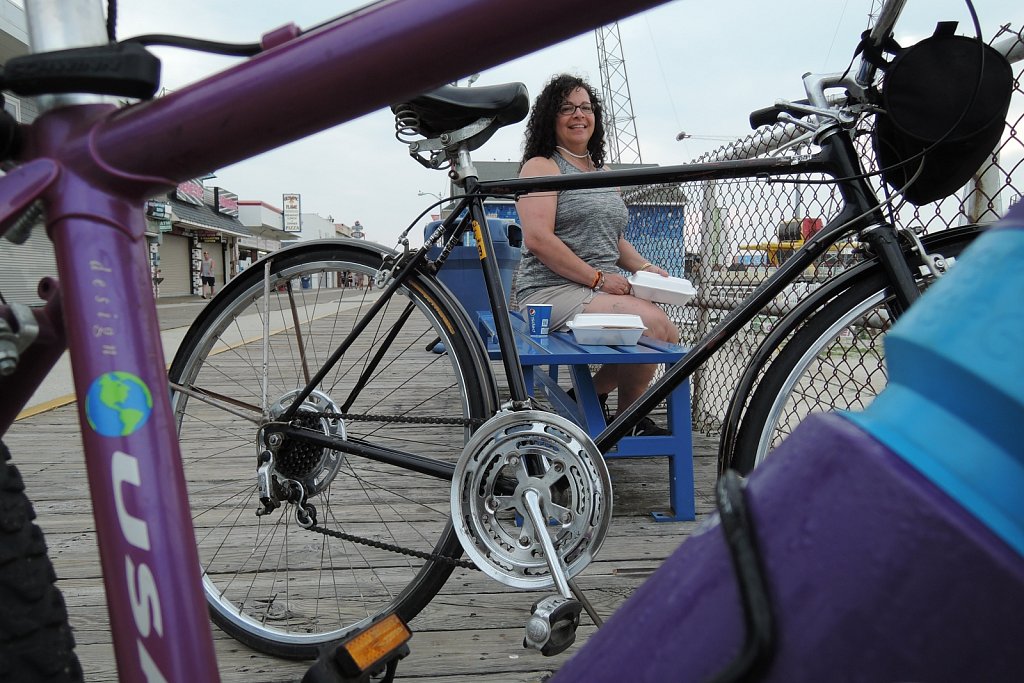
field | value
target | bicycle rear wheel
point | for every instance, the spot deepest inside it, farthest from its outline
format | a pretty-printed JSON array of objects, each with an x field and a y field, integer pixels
[
  {"x": 829, "y": 355},
  {"x": 270, "y": 583}
]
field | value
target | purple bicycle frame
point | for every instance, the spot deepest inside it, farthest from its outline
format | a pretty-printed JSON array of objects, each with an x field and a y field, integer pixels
[{"x": 94, "y": 165}]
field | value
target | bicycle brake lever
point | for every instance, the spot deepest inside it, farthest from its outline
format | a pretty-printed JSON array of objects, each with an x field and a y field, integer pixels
[
  {"x": 786, "y": 117},
  {"x": 18, "y": 191}
]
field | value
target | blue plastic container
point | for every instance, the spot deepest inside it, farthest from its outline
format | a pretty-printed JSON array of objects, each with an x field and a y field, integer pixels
[
  {"x": 462, "y": 273},
  {"x": 954, "y": 405}
]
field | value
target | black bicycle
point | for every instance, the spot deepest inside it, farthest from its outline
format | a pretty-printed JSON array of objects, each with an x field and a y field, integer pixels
[{"x": 325, "y": 409}]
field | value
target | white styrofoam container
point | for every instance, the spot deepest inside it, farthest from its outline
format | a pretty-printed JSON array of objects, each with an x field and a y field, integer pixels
[
  {"x": 606, "y": 329},
  {"x": 663, "y": 290}
]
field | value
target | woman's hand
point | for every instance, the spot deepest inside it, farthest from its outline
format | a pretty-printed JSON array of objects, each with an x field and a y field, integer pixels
[
  {"x": 615, "y": 284},
  {"x": 656, "y": 269}
]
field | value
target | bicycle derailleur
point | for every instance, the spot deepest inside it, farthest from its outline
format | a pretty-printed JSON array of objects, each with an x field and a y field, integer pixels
[
  {"x": 292, "y": 471},
  {"x": 531, "y": 504}
]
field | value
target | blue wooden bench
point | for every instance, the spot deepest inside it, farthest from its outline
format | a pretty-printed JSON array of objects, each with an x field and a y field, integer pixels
[{"x": 559, "y": 349}]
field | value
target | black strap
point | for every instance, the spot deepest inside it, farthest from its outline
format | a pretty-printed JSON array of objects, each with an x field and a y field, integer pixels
[
  {"x": 741, "y": 539},
  {"x": 875, "y": 54}
]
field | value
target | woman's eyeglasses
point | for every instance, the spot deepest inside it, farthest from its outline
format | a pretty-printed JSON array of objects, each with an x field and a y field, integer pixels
[{"x": 570, "y": 109}]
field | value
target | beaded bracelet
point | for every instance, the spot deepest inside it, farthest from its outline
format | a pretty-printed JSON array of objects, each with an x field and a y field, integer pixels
[{"x": 597, "y": 279}]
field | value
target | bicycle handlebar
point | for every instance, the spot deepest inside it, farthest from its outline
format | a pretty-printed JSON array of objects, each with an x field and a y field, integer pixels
[
  {"x": 879, "y": 33},
  {"x": 766, "y": 116}
]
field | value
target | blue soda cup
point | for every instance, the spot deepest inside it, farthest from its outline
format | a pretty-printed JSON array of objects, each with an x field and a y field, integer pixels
[{"x": 538, "y": 316}]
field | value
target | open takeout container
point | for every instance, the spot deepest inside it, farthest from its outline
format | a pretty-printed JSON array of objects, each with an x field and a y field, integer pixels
[
  {"x": 662, "y": 290},
  {"x": 606, "y": 329}
]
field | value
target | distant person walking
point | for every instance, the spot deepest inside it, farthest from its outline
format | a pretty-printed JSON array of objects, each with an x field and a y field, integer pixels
[{"x": 207, "y": 275}]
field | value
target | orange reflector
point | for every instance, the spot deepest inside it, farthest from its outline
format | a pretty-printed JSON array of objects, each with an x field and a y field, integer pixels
[{"x": 377, "y": 641}]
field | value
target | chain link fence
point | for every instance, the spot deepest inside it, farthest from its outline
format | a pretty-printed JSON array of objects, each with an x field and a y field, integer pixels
[{"x": 728, "y": 236}]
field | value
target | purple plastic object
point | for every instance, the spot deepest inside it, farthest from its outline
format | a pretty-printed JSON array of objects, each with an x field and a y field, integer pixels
[{"x": 874, "y": 575}]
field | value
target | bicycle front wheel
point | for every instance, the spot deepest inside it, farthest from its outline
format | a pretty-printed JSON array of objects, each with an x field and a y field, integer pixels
[
  {"x": 830, "y": 358},
  {"x": 271, "y": 583}
]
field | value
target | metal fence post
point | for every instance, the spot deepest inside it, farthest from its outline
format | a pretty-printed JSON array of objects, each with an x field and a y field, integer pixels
[
  {"x": 982, "y": 200},
  {"x": 710, "y": 248}
]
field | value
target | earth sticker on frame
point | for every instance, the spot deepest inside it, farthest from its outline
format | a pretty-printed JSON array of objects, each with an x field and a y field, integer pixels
[{"x": 118, "y": 404}]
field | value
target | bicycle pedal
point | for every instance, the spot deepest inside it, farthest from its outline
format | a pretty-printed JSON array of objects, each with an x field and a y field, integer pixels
[
  {"x": 552, "y": 625},
  {"x": 370, "y": 654}
]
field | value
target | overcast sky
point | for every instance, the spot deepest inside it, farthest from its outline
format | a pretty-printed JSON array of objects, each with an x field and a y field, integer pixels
[{"x": 694, "y": 66}]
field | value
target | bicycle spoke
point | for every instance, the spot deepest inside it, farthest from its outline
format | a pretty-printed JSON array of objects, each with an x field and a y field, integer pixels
[
  {"x": 221, "y": 402},
  {"x": 298, "y": 333}
]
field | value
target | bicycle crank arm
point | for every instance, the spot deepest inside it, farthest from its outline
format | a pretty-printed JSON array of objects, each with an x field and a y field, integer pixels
[
  {"x": 531, "y": 500},
  {"x": 553, "y": 621}
]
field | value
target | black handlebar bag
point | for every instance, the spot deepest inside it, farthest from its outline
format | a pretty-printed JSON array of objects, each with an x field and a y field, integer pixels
[{"x": 945, "y": 101}]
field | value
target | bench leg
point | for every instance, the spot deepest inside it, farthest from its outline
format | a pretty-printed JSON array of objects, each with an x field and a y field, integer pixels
[
  {"x": 678, "y": 447},
  {"x": 680, "y": 463},
  {"x": 586, "y": 398}
]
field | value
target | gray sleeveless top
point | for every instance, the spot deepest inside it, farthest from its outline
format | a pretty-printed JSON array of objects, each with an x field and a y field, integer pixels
[{"x": 590, "y": 223}]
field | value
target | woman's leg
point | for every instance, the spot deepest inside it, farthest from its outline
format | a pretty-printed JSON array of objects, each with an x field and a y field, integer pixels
[
  {"x": 631, "y": 380},
  {"x": 606, "y": 379}
]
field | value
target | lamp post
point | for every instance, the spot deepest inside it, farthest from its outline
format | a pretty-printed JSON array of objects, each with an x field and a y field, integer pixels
[
  {"x": 683, "y": 135},
  {"x": 440, "y": 198}
]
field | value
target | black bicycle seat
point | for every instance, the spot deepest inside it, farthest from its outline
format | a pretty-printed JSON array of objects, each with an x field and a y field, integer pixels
[{"x": 449, "y": 107}]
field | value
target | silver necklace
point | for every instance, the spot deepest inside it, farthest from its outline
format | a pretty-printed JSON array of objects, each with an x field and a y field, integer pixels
[{"x": 578, "y": 156}]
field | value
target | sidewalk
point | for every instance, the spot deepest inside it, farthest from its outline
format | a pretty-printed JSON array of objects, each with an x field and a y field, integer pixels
[{"x": 175, "y": 315}]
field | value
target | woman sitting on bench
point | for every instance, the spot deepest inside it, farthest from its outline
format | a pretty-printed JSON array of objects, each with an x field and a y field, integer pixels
[{"x": 575, "y": 243}]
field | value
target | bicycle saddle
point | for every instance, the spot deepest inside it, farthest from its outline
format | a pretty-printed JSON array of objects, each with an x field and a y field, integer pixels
[{"x": 450, "y": 108}]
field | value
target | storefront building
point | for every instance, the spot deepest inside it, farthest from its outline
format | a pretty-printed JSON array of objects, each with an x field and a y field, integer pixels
[
  {"x": 190, "y": 221},
  {"x": 265, "y": 224}
]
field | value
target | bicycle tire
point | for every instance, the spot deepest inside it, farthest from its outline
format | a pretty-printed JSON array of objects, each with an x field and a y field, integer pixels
[
  {"x": 271, "y": 584},
  {"x": 36, "y": 642},
  {"x": 814, "y": 363}
]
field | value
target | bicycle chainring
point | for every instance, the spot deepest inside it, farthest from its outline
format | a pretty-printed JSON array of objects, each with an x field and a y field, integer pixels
[{"x": 515, "y": 452}]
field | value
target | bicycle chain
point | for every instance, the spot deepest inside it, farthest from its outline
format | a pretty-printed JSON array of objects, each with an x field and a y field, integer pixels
[
  {"x": 353, "y": 417},
  {"x": 435, "y": 557}
]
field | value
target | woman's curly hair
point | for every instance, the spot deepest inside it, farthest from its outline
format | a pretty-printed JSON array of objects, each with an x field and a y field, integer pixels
[{"x": 540, "y": 128}]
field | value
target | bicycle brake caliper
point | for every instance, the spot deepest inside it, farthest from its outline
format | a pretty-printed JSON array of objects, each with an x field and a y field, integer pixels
[{"x": 935, "y": 264}]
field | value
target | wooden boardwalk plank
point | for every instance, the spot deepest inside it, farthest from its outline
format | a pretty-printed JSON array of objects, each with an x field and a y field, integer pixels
[{"x": 473, "y": 629}]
